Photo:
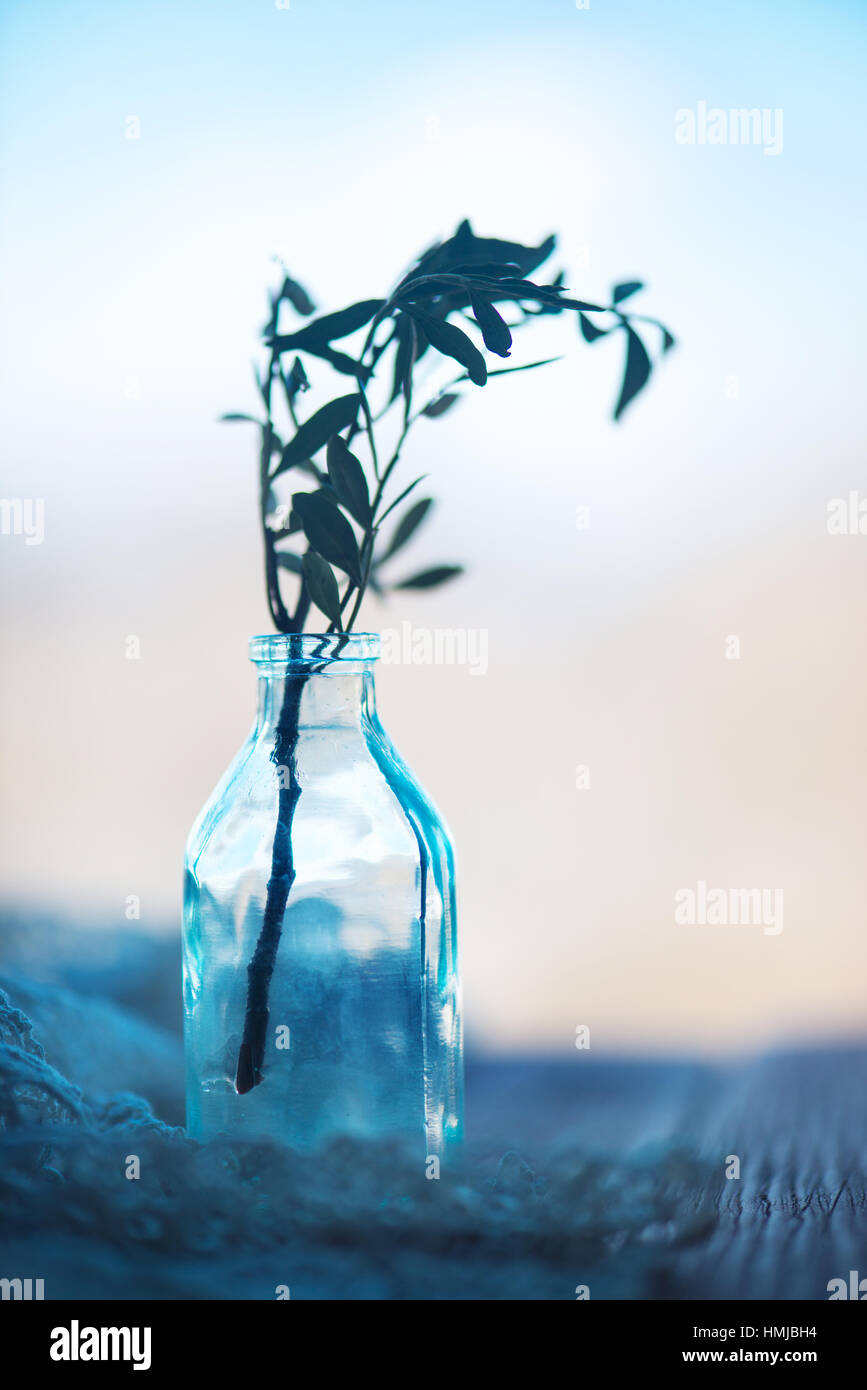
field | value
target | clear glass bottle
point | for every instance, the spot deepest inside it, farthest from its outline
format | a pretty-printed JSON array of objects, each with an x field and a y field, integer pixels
[{"x": 340, "y": 1015}]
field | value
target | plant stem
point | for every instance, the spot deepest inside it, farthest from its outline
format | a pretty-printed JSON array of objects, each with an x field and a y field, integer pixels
[
  {"x": 368, "y": 422},
  {"x": 252, "y": 1051},
  {"x": 251, "y": 1055},
  {"x": 279, "y": 613}
]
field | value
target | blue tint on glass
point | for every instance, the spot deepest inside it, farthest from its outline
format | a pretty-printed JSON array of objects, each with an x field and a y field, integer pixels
[{"x": 363, "y": 1030}]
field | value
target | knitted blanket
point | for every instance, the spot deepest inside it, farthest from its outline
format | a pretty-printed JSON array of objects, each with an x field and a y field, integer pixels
[{"x": 582, "y": 1177}]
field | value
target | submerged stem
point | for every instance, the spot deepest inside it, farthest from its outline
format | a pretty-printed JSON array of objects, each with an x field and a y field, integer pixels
[{"x": 251, "y": 1055}]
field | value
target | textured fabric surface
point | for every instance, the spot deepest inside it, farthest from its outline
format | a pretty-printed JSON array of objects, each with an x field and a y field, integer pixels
[{"x": 577, "y": 1171}]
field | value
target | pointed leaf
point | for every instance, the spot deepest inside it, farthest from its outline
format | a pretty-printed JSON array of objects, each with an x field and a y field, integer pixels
[
  {"x": 525, "y": 367},
  {"x": 288, "y": 560},
  {"x": 315, "y": 432},
  {"x": 494, "y": 270},
  {"x": 589, "y": 331},
  {"x": 328, "y": 531},
  {"x": 407, "y": 527},
  {"x": 551, "y": 295},
  {"x": 452, "y": 342},
  {"x": 405, "y": 354},
  {"x": 465, "y": 248},
  {"x": 428, "y": 579},
  {"x": 322, "y": 587},
  {"x": 440, "y": 405},
  {"x": 346, "y": 476},
  {"x": 296, "y": 380},
  {"x": 668, "y": 340},
  {"x": 264, "y": 386},
  {"x": 456, "y": 287},
  {"x": 327, "y": 491},
  {"x": 297, "y": 296},
  {"x": 397, "y": 501},
  {"x": 341, "y": 362},
  {"x": 234, "y": 416},
  {"x": 326, "y": 329},
  {"x": 636, "y": 373},
  {"x": 627, "y": 288},
  {"x": 495, "y": 330}
]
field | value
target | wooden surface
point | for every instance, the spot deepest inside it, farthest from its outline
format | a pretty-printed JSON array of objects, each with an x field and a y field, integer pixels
[{"x": 795, "y": 1219}]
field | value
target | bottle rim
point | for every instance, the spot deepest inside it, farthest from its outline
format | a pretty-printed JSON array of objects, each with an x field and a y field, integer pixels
[{"x": 308, "y": 650}]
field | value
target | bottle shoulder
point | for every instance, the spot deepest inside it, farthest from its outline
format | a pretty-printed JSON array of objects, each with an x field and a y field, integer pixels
[
  {"x": 351, "y": 779},
  {"x": 221, "y": 798},
  {"x": 410, "y": 791}
]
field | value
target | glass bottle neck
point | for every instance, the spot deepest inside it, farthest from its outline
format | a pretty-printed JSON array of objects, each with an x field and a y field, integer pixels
[
  {"x": 342, "y": 699},
  {"x": 331, "y": 674}
]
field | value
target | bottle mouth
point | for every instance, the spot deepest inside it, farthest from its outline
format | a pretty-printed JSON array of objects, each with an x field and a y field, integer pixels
[{"x": 310, "y": 651}]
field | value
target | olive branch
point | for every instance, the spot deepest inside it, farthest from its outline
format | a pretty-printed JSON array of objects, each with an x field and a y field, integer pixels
[
  {"x": 339, "y": 514},
  {"x": 339, "y": 517}
]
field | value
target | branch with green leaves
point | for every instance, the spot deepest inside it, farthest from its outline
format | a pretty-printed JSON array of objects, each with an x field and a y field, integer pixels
[{"x": 337, "y": 450}]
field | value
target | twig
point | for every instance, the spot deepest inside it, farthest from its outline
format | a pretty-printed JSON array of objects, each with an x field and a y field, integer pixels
[{"x": 252, "y": 1051}]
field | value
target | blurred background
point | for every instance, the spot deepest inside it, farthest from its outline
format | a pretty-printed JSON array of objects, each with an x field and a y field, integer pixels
[{"x": 155, "y": 159}]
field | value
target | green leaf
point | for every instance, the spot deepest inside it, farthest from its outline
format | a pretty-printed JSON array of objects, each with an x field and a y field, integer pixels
[
  {"x": 526, "y": 367},
  {"x": 627, "y": 288},
  {"x": 428, "y": 579},
  {"x": 668, "y": 340},
  {"x": 551, "y": 295},
  {"x": 636, "y": 373},
  {"x": 288, "y": 560},
  {"x": 454, "y": 287},
  {"x": 589, "y": 331},
  {"x": 397, "y": 501},
  {"x": 314, "y": 433},
  {"x": 407, "y": 527},
  {"x": 465, "y": 248},
  {"x": 405, "y": 356},
  {"x": 438, "y": 407},
  {"x": 266, "y": 449},
  {"x": 495, "y": 330},
  {"x": 296, "y": 380},
  {"x": 322, "y": 587},
  {"x": 324, "y": 330},
  {"x": 264, "y": 385},
  {"x": 452, "y": 342},
  {"x": 328, "y": 531},
  {"x": 492, "y": 270},
  {"x": 297, "y": 296},
  {"x": 234, "y": 416},
  {"x": 341, "y": 362},
  {"x": 346, "y": 476}
]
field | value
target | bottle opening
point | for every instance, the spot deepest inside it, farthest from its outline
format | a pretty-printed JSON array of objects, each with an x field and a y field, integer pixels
[{"x": 309, "y": 651}]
